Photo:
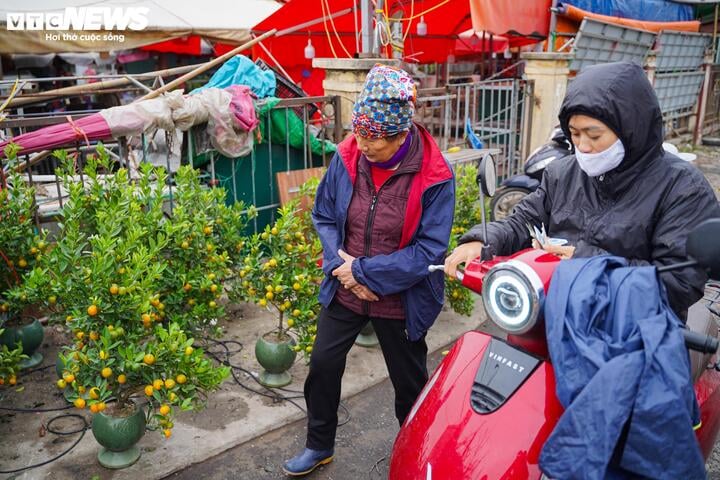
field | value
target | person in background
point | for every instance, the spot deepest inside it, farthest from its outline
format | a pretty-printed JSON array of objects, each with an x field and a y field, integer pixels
[
  {"x": 383, "y": 212},
  {"x": 621, "y": 194}
]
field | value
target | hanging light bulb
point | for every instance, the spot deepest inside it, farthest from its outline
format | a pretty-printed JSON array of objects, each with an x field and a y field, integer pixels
[
  {"x": 422, "y": 27},
  {"x": 309, "y": 50}
]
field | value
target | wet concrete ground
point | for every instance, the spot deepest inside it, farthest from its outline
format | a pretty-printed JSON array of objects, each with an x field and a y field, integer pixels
[
  {"x": 362, "y": 448},
  {"x": 365, "y": 442}
]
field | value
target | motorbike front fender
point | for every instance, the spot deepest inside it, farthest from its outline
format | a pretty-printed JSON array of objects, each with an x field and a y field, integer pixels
[{"x": 444, "y": 437}]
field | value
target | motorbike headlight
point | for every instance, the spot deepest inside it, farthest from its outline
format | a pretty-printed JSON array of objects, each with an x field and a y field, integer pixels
[
  {"x": 513, "y": 296},
  {"x": 541, "y": 164}
]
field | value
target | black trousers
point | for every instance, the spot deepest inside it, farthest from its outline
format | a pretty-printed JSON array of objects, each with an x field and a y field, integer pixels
[{"x": 337, "y": 329}]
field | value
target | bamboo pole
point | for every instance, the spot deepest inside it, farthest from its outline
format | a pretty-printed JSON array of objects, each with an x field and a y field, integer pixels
[
  {"x": 207, "y": 66},
  {"x": 91, "y": 87},
  {"x": 168, "y": 86}
]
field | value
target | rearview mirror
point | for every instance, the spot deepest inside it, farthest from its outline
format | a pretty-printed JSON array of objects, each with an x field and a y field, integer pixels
[
  {"x": 487, "y": 179},
  {"x": 703, "y": 246}
]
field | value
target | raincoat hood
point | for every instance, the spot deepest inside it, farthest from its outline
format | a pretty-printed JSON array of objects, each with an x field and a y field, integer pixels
[{"x": 619, "y": 95}]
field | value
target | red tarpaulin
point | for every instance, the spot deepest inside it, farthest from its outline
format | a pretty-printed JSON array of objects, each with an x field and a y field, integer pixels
[
  {"x": 473, "y": 43},
  {"x": 188, "y": 45},
  {"x": 340, "y": 36},
  {"x": 525, "y": 18}
]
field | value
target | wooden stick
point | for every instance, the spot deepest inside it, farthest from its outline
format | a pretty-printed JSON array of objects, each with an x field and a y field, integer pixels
[
  {"x": 99, "y": 85},
  {"x": 207, "y": 66},
  {"x": 277, "y": 64}
]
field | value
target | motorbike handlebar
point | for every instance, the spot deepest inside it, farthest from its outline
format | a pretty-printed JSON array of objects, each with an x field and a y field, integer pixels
[
  {"x": 700, "y": 342},
  {"x": 693, "y": 340},
  {"x": 434, "y": 268}
]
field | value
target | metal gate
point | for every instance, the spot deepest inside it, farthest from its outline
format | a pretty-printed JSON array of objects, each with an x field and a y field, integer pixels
[
  {"x": 499, "y": 112},
  {"x": 679, "y": 74}
]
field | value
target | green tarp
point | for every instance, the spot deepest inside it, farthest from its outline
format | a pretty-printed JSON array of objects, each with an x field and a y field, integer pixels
[{"x": 286, "y": 124}]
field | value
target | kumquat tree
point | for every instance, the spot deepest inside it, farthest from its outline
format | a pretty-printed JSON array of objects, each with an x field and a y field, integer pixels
[
  {"x": 108, "y": 272},
  {"x": 281, "y": 271},
  {"x": 467, "y": 214},
  {"x": 22, "y": 246}
]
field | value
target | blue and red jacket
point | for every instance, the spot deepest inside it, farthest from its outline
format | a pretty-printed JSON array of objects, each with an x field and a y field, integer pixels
[{"x": 424, "y": 239}]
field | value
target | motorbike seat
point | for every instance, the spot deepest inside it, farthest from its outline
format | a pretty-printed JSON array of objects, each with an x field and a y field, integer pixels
[{"x": 700, "y": 320}]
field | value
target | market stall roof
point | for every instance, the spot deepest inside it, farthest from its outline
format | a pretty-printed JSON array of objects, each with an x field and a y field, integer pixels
[
  {"x": 508, "y": 18},
  {"x": 217, "y": 20},
  {"x": 333, "y": 26}
]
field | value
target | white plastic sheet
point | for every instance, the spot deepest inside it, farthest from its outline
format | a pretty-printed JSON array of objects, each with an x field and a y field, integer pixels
[{"x": 216, "y": 107}]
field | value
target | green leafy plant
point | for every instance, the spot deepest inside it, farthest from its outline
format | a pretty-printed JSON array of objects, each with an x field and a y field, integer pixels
[
  {"x": 9, "y": 360},
  {"x": 108, "y": 272},
  {"x": 21, "y": 247},
  {"x": 467, "y": 214},
  {"x": 281, "y": 271},
  {"x": 206, "y": 241}
]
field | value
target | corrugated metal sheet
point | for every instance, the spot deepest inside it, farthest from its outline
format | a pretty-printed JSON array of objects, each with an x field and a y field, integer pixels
[{"x": 600, "y": 42}]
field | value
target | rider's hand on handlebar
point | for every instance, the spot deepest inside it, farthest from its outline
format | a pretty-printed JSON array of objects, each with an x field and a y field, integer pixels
[
  {"x": 565, "y": 252},
  {"x": 465, "y": 253}
]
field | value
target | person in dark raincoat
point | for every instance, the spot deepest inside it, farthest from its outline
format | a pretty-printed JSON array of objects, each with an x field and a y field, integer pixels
[{"x": 621, "y": 194}]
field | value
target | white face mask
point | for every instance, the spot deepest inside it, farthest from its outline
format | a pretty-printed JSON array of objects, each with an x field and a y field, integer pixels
[{"x": 596, "y": 164}]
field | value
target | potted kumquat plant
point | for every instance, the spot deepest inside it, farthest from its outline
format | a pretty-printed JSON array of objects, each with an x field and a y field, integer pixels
[
  {"x": 281, "y": 273},
  {"x": 130, "y": 350}
]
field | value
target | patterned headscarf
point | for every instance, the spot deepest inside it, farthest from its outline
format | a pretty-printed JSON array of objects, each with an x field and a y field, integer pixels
[{"x": 386, "y": 104}]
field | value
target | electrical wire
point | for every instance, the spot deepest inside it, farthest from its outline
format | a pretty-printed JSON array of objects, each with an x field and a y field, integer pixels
[
  {"x": 409, "y": 25},
  {"x": 391, "y": 46},
  {"x": 327, "y": 32},
  {"x": 267, "y": 392},
  {"x": 381, "y": 29},
  {"x": 434, "y": 7},
  {"x": 276, "y": 397},
  {"x": 376, "y": 469},
  {"x": 35, "y": 410},
  {"x": 337, "y": 35},
  {"x": 48, "y": 427}
]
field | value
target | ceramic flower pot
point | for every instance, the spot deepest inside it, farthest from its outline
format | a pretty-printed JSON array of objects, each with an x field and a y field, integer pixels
[
  {"x": 367, "y": 337},
  {"x": 30, "y": 336},
  {"x": 118, "y": 434},
  {"x": 59, "y": 366},
  {"x": 276, "y": 356}
]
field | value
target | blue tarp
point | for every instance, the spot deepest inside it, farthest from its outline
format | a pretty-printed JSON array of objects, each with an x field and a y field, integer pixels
[
  {"x": 649, "y": 10},
  {"x": 240, "y": 70}
]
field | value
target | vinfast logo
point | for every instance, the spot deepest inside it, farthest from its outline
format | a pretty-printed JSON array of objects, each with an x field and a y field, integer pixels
[
  {"x": 81, "y": 18},
  {"x": 506, "y": 361}
]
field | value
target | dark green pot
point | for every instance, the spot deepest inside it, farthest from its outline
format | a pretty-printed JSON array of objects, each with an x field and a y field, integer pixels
[
  {"x": 276, "y": 358},
  {"x": 59, "y": 366},
  {"x": 30, "y": 336},
  {"x": 367, "y": 337},
  {"x": 118, "y": 437}
]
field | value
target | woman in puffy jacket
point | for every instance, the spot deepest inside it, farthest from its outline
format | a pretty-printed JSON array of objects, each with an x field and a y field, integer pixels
[{"x": 383, "y": 212}]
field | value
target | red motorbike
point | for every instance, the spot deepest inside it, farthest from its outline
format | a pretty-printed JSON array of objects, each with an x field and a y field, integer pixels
[{"x": 490, "y": 406}]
